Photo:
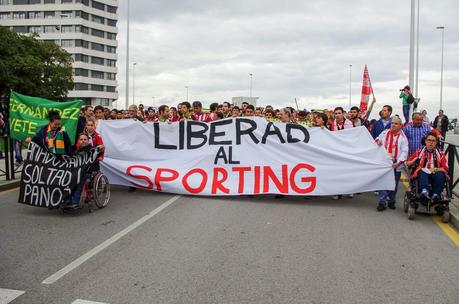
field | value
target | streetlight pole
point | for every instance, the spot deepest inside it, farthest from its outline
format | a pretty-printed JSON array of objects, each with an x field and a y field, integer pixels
[
  {"x": 127, "y": 54},
  {"x": 442, "y": 28},
  {"x": 251, "y": 81},
  {"x": 350, "y": 85},
  {"x": 133, "y": 82},
  {"x": 186, "y": 87},
  {"x": 416, "y": 92},
  {"x": 412, "y": 34}
]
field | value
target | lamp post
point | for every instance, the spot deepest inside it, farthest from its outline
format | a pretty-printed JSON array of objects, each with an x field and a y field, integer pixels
[
  {"x": 62, "y": 16},
  {"x": 186, "y": 87},
  {"x": 442, "y": 28},
  {"x": 350, "y": 85},
  {"x": 251, "y": 81},
  {"x": 133, "y": 82},
  {"x": 416, "y": 92},
  {"x": 127, "y": 54},
  {"x": 412, "y": 40}
]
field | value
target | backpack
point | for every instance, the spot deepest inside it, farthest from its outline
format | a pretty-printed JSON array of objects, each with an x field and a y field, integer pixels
[{"x": 410, "y": 99}]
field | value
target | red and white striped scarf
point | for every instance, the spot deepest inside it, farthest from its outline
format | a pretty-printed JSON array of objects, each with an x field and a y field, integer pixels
[{"x": 390, "y": 145}]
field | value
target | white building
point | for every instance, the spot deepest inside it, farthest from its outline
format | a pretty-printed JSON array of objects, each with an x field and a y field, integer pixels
[{"x": 85, "y": 28}]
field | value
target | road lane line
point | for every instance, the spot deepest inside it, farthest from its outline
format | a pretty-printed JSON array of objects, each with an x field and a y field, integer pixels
[
  {"x": 8, "y": 295},
  {"x": 79, "y": 301},
  {"x": 447, "y": 229},
  {"x": 53, "y": 278}
]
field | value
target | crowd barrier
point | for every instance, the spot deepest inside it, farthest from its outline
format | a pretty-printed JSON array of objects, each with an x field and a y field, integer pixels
[
  {"x": 451, "y": 151},
  {"x": 9, "y": 170}
]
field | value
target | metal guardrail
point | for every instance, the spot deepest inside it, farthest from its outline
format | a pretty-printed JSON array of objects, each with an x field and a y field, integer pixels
[
  {"x": 10, "y": 169},
  {"x": 452, "y": 153}
]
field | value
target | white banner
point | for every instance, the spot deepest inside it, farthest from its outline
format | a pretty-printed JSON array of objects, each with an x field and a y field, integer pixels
[{"x": 239, "y": 156}]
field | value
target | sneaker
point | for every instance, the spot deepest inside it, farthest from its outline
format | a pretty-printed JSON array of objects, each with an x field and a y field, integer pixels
[
  {"x": 436, "y": 198},
  {"x": 336, "y": 197},
  {"x": 392, "y": 205},
  {"x": 376, "y": 193},
  {"x": 425, "y": 194},
  {"x": 381, "y": 207}
]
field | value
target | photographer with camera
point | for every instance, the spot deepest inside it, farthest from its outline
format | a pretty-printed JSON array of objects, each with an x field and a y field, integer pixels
[{"x": 407, "y": 99}]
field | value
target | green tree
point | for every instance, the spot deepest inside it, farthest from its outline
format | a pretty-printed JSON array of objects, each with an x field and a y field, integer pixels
[{"x": 33, "y": 67}]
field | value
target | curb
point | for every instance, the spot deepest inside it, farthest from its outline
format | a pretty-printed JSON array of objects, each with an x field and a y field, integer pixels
[
  {"x": 9, "y": 185},
  {"x": 454, "y": 211}
]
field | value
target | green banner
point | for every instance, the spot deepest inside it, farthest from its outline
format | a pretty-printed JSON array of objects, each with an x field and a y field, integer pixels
[{"x": 29, "y": 114}]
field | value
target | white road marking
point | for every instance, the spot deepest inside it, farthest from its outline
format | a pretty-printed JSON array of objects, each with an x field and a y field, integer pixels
[
  {"x": 53, "y": 278},
  {"x": 79, "y": 301},
  {"x": 8, "y": 295}
]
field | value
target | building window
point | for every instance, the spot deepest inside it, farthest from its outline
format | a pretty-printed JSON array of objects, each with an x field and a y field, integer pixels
[
  {"x": 98, "y": 5},
  {"x": 4, "y": 16},
  {"x": 50, "y": 28},
  {"x": 81, "y": 58},
  {"x": 85, "y": 2},
  {"x": 5, "y": 2},
  {"x": 68, "y": 43},
  {"x": 20, "y": 29},
  {"x": 97, "y": 46},
  {"x": 97, "y": 87},
  {"x": 66, "y": 1},
  {"x": 97, "y": 74},
  {"x": 111, "y": 22},
  {"x": 111, "y": 62},
  {"x": 111, "y": 76},
  {"x": 97, "y": 33},
  {"x": 98, "y": 19},
  {"x": 34, "y": 1},
  {"x": 97, "y": 60},
  {"x": 35, "y": 15},
  {"x": 26, "y": 2},
  {"x": 82, "y": 14},
  {"x": 82, "y": 43},
  {"x": 105, "y": 102},
  {"x": 111, "y": 9},
  {"x": 110, "y": 89},
  {"x": 82, "y": 29},
  {"x": 49, "y": 15},
  {"x": 81, "y": 86},
  {"x": 67, "y": 29},
  {"x": 81, "y": 72},
  {"x": 111, "y": 36},
  {"x": 111, "y": 49},
  {"x": 35, "y": 29},
  {"x": 50, "y": 1},
  {"x": 19, "y": 15}
]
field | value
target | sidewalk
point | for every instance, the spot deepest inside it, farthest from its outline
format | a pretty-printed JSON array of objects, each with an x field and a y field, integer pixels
[{"x": 6, "y": 185}]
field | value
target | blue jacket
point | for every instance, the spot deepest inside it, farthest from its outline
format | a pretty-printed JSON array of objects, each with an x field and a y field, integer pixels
[{"x": 378, "y": 127}]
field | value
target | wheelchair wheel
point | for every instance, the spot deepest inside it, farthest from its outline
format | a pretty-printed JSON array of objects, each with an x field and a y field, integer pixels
[
  {"x": 101, "y": 190},
  {"x": 411, "y": 212},
  {"x": 406, "y": 201},
  {"x": 445, "y": 217}
]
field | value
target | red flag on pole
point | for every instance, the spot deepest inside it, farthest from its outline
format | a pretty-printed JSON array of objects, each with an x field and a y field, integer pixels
[{"x": 367, "y": 90}]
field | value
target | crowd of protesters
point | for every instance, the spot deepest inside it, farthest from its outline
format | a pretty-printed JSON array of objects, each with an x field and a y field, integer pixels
[{"x": 405, "y": 142}]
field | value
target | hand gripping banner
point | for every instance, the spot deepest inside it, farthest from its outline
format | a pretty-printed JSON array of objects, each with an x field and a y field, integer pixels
[{"x": 243, "y": 156}]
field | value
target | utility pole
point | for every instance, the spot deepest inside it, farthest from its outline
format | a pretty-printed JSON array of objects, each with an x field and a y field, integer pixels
[{"x": 127, "y": 54}]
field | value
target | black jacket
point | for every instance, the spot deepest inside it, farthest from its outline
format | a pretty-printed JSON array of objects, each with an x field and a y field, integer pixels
[
  {"x": 40, "y": 139},
  {"x": 444, "y": 123}
]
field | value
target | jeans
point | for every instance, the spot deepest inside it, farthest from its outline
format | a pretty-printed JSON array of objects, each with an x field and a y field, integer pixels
[
  {"x": 17, "y": 150},
  {"x": 385, "y": 195},
  {"x": 76, "y": 196},
  {"x": 438, "y": 181},
  {"x": 406, "y": 112}
]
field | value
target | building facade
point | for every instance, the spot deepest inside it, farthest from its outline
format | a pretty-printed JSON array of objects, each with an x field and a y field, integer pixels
[{"x": 87, "y": 29}]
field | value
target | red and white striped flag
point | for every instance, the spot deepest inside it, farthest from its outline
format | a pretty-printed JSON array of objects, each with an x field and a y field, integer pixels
[{"x": 367, "y": 90}]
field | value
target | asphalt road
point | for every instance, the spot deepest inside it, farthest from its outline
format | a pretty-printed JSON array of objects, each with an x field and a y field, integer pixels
[{"x": 231, "y": 250}]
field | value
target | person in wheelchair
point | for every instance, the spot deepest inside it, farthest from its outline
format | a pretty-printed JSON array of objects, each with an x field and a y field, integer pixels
[
  {"x": 84, "y": 145},
  {"x": 429, "y": 168}
]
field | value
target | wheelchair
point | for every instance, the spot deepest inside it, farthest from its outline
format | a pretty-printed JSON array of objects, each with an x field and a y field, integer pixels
[
  {"x": 413, "y": 202},
  {"x": 96, "y": 191}
]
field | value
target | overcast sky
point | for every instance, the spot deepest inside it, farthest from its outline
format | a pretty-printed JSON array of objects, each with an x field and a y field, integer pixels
[{"x": 295, "y": 49}]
